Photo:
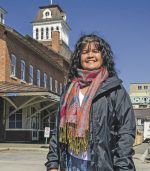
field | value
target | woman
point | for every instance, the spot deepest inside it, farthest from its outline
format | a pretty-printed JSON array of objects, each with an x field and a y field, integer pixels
[{"x": 95, "y": 125}]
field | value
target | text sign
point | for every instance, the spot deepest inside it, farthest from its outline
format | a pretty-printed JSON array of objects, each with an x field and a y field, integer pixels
[{"x": 47, "y": 132}]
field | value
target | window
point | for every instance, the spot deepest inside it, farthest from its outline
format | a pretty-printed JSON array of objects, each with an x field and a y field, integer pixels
[
  {"x": 56, "y": 86},
  {"x": 13, "y": 65},
  {"x": 2, "y": 18},
  {"x": 52, "y": 29},
  {"x": 139, "y": 87},
  {"x": 42, "y": 33},
  {"x": 37, "y": 33},
  {"x": 15, "y": 120},
  {"x": 51, "y": 83},
  {"x": 47, "y": 33},
  {"x": 22, "y": 70},
  {"x": 45, "y": 80},
  {"x": 57, "y": 28},
  {"x": 139, "y": 122},
  {"x": 60, "y": 88},
  {"x": 38, "y": 78},
  {"x": 31, "y": 74},
  {"x": 47, "y": 14},
  {"x": 145, "y": 87}
]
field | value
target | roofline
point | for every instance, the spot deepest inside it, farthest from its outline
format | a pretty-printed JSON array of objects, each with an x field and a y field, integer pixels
[
  {"x": 27, "y": 43},
  {"x": 5, "y": 12},
  {"x": 51, "y": 6}
]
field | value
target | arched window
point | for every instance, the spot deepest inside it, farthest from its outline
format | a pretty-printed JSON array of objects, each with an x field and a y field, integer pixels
[
  {"x": 47, "y": 33},
  {"x": 50, "y": 83},
  {"x": 45, "y": 80},
  {"x": 56, "y": 86},
  {"x": 37, "y": 34},
  {"x": 38, "y": 78},
  {"x": 13, "y": 65},
  {"x": 22, "y": 70},
  {"x": 52, "y": 29},
  {"x": 57, "y": 28},
  {"x": 42, "y": 33},
  {"x": 47, "y": 14},
  {"x": 31, "y": 74}
]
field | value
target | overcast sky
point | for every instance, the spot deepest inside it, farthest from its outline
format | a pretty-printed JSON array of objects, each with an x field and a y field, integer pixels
[{"x": 125, "y": 24}]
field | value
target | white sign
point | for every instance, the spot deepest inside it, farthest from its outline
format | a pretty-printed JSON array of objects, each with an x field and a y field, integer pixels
[
  {"x": 47, "y": 132},
  {"x": 146, "y": 130}
]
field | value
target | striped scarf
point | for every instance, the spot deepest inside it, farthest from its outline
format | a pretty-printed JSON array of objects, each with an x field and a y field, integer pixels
[{"x": 74, "y": 119}]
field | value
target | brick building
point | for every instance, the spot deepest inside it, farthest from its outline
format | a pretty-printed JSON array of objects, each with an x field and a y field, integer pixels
[{"x": 32, "y": 74}]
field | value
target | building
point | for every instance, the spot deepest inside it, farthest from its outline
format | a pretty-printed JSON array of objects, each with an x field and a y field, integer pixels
[
  {"x": 49, "y": 25},
  {"x": 140, "y": 95},
  {"x": 2, "y": 14},
  {"x": 32, "y": 74},
  {"x": 140, "y": 98}
]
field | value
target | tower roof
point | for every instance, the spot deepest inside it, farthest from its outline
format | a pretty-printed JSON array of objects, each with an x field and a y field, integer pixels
[
  {"x": 51, "y": 6},
  {"x": 56, "y": 13}
]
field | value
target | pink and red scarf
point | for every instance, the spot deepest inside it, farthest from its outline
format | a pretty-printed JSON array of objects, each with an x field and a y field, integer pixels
[{"x": 74, "y": 119}]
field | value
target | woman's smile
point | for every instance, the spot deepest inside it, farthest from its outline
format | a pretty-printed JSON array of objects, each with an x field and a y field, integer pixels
[{"x": 91, "y": 58}]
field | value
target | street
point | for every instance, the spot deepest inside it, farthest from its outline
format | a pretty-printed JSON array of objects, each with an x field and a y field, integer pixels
[
  {"x": 22, "y": 160},
  {"x": 33, "y": 160}
]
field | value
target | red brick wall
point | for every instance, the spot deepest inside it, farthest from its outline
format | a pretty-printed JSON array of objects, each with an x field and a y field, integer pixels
[
  {"x": 3, "y": 53},
  {"x": 56, "y": 40},
  {"x": 22, "y": 52}
]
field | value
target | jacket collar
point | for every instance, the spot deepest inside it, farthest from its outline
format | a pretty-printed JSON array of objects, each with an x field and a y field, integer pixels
[{"x": 108, "y": 84}]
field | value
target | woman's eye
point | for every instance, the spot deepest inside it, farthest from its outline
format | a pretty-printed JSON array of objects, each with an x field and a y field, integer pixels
[
  {"x": 84, "y": 51},
  {"x": 96, "y": 51}
]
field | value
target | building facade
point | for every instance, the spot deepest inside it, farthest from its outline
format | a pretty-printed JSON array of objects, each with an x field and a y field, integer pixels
[
  {"x": 32, "y": 76},
  {"x": 140, "y": 98},
  {"x": 140, "y": 95}
]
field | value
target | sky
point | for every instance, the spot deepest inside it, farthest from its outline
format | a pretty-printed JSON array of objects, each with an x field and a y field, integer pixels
[{"x": 124, "y": 24}]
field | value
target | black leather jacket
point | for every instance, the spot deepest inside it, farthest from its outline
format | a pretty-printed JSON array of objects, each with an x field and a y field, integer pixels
[{"x": 112, "y": 131}]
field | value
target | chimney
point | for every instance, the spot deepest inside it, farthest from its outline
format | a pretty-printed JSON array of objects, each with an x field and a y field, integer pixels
[{"x": 56, "y": 40}]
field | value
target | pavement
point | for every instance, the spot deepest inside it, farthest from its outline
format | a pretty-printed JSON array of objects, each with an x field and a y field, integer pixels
[
  {"x": 24, "y": 147},
  {"x": 11, "y": 152}
]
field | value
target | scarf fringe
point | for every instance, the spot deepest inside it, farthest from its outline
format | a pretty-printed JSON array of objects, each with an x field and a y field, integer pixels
[{"x": 67, "y": 135}]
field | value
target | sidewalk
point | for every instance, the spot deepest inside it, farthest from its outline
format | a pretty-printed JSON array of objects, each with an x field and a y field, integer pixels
[{"x": 21, "y": 146}]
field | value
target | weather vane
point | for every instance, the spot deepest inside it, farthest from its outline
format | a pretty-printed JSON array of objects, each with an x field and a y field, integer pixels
[{"x": 51, "y": 2}]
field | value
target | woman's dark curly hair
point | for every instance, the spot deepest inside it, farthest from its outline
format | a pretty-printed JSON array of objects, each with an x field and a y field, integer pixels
[{"x": 101, "y": 45}]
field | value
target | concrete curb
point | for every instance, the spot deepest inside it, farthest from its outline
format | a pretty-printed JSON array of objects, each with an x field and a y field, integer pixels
[
  {"x": 28, "y": 149},
  {"x": 24, "y": 149},
  {"x": 4, "y": 149}
]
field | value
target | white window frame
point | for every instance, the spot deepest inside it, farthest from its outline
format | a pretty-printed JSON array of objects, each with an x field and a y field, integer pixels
[
  {"x": 45, "y": 12},
  {"x": 13, "y": 65},
  {"x": 60, "y": 90},
  {"x": 15, "y": 121},
  {"x": 42, "y": 33},
  {"x": 38, "y": 78},
  {"x": 56, "y": 86},
  {"x": 51, "y": 83},
  {"x": 22, "y": 70},
  {"x": 45, "y": 80},
  {"x": 31, "y": 74}
]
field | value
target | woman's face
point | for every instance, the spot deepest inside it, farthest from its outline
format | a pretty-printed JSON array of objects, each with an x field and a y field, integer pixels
[{"x": 91, "y": 57}]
